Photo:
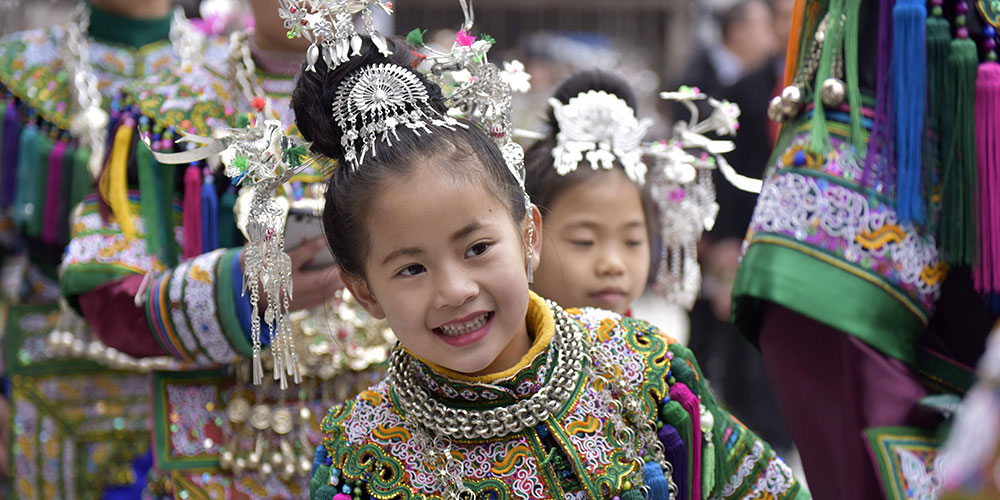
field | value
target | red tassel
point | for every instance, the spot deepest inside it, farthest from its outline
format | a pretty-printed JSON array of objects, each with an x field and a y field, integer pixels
[
  {"x": 987, "y": 273},
  {"x": 192, "y": 212}
]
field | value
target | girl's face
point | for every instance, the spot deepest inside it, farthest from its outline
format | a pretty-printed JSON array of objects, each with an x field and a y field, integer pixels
[
  {"x": 448, "y": 268},
  {"x": 596, "y": 249}
]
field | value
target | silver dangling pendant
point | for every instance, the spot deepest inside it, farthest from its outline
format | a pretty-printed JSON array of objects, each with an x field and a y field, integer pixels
[{"x": 531, "y": 272}]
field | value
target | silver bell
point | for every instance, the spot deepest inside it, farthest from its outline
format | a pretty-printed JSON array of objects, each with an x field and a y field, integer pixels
[
  {"x": 774, "y": 110},
  {"x": 833, "y": 92},
  {"x": 791, "y": 101}
]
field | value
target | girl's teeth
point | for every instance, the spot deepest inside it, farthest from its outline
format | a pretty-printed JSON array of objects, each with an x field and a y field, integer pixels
[{"x": 470, "y": 326}]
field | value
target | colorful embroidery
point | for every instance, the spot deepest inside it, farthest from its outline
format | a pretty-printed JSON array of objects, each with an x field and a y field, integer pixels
[
  {"x": 573, "y": 450},
  {"x": 824, "y": 208}
]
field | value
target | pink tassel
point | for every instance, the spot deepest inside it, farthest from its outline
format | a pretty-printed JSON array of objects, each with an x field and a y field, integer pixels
[
  {"x": 192, "y": 212},
  {"x": 987, "y": 273},
  {"x": 50, "y": 228}
]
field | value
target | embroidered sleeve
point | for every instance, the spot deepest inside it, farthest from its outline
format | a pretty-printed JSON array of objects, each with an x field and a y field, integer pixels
[{"x": 730, "y": 461}]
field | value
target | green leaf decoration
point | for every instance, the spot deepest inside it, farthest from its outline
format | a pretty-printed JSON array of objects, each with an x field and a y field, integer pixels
[
  {"x": 488, "y": 38},
  {"x": 242, "y": 120},
  {"x": 293, "y": 156},
  {"x": 416, "y": 37},
  {"x": 241, "y": 162}
]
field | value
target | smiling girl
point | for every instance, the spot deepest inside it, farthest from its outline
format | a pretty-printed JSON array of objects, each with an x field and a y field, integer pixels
[{"x": 493, "y": 392}]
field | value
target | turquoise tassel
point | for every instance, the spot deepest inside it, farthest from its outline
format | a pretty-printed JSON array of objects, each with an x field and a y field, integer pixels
[
  {"x": 26, "y": 162},
  {"x": 659, "y": 486}
]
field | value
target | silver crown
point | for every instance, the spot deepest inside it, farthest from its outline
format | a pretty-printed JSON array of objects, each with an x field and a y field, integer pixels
[{"x": 374, "y": 102}]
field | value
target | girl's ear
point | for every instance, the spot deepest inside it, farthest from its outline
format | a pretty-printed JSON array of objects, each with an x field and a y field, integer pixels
[
  {"x": 359, "y": 289},
  {"x": 532, "y": 232}
]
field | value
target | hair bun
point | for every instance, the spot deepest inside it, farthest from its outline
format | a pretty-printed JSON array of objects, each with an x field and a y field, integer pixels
[{"x": 315, "y": 91}]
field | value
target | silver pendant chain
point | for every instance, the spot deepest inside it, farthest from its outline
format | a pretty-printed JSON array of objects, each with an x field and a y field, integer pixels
[
  {"x": 433, "y": 425},
  {"x": 90, "y": 121}
]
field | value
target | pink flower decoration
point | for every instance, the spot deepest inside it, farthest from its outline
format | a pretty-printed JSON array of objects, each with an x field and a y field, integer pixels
[
  {"x": 677, "y": 195},
  {"x": 464, "y": 39}
]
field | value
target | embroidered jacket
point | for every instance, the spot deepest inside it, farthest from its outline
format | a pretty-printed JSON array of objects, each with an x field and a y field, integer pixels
[
  {"x": 368, "y": 451},
  {"x": 79, "y": 425}
]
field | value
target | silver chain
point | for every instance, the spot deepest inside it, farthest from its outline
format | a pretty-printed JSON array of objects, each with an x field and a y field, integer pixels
[
  {"x": 426, "y": 416},
  {"x": 459, "y": 423}
]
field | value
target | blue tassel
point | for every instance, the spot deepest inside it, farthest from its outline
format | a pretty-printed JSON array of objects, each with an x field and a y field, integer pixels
[
  {"x": 8, "y": 155},
  {"x": 209, "y": 215},
  {"x": 27, "y": 162},
  {"x": 659, "y": 487},
  {"x": 909, "y": 65}
]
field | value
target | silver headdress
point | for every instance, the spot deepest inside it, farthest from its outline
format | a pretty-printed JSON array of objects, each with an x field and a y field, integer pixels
[
  {"x": 374, "y": 101},
  {"x": 599, "y": 127},
  {"x": 482, "y": 92},
  {"x": 681, "y": 184},
  {"x": 329, "y": 25}
]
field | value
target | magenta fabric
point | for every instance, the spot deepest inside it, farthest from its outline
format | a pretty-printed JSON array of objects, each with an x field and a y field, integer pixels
[
  {"x": 110, "y": 310},
  {"x": 683, "y": 395},
  {"x": 830, "y": 387},
  {"x": 50, "y": 221}
]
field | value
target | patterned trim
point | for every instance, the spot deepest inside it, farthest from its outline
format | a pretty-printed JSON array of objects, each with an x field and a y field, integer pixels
[
  {"x": 160, "y": 324},
  {"x": 907, "y": 460},
  {"x": 180, "y": 320},
  {"x": 199, "y": 302}
]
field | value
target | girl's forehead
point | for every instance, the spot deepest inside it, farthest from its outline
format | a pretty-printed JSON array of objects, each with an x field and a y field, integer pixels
[{"x": 431, "y": 206}]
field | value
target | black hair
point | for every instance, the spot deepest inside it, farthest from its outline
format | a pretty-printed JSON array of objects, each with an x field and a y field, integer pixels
[
  {"x": 544, "y": 184},
  {"x": 350, "y": 192}
]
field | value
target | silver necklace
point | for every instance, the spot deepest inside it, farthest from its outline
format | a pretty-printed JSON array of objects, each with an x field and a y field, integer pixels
[
  {"x": 458, "y": 423},
  {"x": 428, "y": 417}
]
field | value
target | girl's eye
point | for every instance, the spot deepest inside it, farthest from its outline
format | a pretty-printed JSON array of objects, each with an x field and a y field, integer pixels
[
  {"x": 412, "y": 270},
  {"x": 477, "y": 249},
  {"x": 582, "y": 243},
  {"x": 634, "y": 243}
]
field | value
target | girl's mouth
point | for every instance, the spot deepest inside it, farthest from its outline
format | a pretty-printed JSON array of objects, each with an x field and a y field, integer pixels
[{"x": 468, "y": 331}]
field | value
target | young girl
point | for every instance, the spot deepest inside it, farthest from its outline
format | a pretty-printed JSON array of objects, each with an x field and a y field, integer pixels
[
  {"x": 494, "y": 392},
  {"x": 597, "y": 220}
]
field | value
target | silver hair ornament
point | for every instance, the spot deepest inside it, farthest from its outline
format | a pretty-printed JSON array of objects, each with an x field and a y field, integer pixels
[
  {"x": 262, "y": 157},
  {"x": 329, "y": 25},
  {"x": 374, "y": 101},
  {"x": 599, "y": 127}
]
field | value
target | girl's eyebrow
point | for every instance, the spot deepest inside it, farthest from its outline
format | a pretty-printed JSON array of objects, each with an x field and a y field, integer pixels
[
  {"x": 465, "y": 231},
  {"x": 401, "y": 252},
  {"x": 457, "y": 235}
]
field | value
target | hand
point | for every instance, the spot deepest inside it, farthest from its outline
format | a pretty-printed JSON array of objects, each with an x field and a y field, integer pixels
[
  {"x": 722, "y": 261},
  {"x": 311, "y": 287}
]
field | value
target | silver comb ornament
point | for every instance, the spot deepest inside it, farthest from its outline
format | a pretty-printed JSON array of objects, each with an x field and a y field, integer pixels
[{"x": 329, "y": 25}]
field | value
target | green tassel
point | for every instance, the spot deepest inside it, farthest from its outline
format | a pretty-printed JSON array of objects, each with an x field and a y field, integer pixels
[
  {"x": 416, "y": 37},
  {"x": 83, "y": 183},
  {"x": 708, "y": 468},
  {"x": 958, "y": 211},
  {"x": 852, "y": 74},
  {"x": 633, "y": 494},
  {"x": 819, "y": 138},
  {"x": 38, "y": 186},
  {"x": 150, "y": 207},
  {"x": 938, "y": 87},
  {"x": 227, "y": 219},
  {"x": 165, "y": 197}
]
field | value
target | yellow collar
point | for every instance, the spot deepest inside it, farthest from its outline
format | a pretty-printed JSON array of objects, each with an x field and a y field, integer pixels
[{"x": 541, "y": 325}]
